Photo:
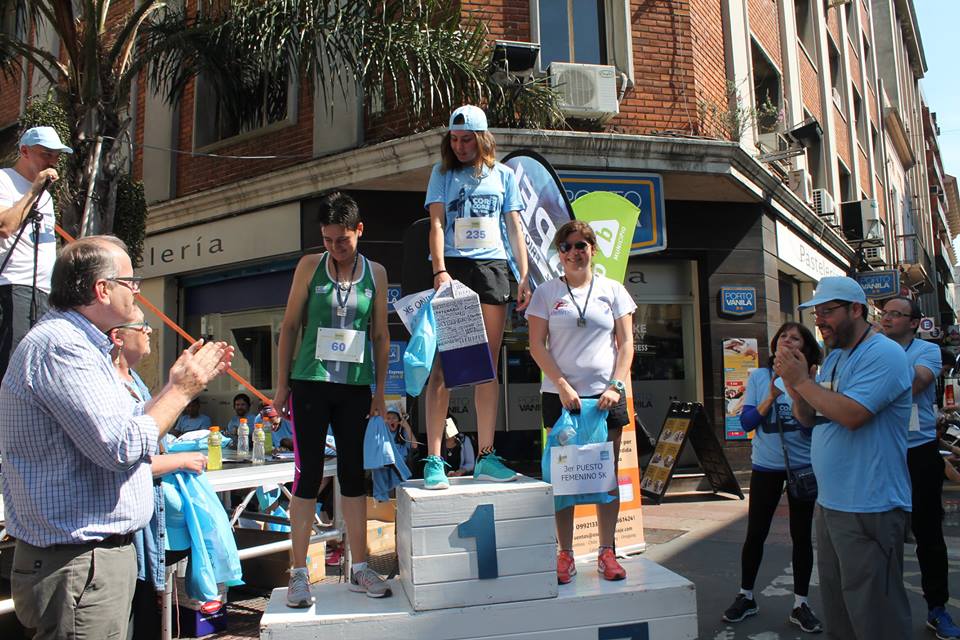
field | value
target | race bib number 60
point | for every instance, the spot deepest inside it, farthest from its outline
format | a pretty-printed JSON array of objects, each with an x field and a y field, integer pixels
[
  {"x": 342, "y": 345},
  {"x": 476, "y": 233}
]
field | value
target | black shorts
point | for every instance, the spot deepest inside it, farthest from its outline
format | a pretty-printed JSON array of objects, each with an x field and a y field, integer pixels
[
  {"x": 315, "y": 406},
  {"x": 489, "y": 278},
  {"x": 551, "y": 409}
]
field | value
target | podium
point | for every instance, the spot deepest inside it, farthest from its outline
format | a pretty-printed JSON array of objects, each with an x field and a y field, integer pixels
[
  {"x": 476, "y": 543},
  {"x": 653, "y": 603},
  {"x": 478, "y": 561}
]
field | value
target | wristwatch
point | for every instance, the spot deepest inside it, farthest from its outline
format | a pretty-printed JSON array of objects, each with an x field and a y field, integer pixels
[{"x": 618, "y": 385}]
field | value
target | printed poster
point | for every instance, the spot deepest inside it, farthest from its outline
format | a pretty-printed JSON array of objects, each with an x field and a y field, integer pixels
[{"x": 740, "y": 357}]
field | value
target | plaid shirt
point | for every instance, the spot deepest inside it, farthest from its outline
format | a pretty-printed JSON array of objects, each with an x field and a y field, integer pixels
[{"x": 76, "y": 446}]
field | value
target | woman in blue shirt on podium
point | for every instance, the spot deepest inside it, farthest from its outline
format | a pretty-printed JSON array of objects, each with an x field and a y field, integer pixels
[
  {"x": 765, "y": 404},
  {"x": 474, "y": 206}
]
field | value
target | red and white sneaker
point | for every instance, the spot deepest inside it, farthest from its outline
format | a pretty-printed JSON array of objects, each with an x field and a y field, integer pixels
[
  {"x": 566, "y": 567},
  {"x": 334, "y": 557},
  {"x": 607, "y": 565}
]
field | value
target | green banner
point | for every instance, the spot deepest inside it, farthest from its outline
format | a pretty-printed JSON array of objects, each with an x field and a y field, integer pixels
[{"x": 613, "y": 218}]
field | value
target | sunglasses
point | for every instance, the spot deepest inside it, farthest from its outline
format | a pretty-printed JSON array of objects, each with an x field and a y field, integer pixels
[{"x": 565, "y": 247}]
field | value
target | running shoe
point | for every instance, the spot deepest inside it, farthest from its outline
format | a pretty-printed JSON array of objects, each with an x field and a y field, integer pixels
[
  {"x": 940, "y": 622},
  {"x": 803, "y": 617},
  {"x": 742, "y": 607},
  {"x": 490, "y": 467},
  {"x": 566, "y": 567},
  {"x": 434, "y": 476},
  {"x": 607, "y": 565},
  {"x": 298, "y": 589},
  {"x": 369, "y": 581}
]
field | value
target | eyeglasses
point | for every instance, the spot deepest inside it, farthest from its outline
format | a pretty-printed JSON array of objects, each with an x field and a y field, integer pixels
[
  {"x": 895, "y": 315},
  {"x": 565, "y": 247},
  {"x": 825, "y": 313},
  {"x": 136, "y": 326},
  {"x": 130, "y": 282}
]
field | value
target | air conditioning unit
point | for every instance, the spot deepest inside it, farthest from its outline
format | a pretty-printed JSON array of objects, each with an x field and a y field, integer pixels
[
  {"x": 875, "y": 256},
  {"x": 801, "y": 183},
  {"x": 861, "y": 222},
  {"x": 587, "y": 91},
  {"x": 824, "y": 206}
]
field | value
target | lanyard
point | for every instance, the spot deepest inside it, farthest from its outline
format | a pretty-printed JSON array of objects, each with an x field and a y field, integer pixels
[
  {"x": 833, "y": 373},
  {"x": 342, "y": 300},
  {"x": 582, "y": 320}
]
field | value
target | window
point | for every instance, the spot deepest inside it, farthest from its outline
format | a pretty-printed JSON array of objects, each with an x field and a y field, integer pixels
[
  {"x": 867, "y": 63},
  {"x": 860, "y": 115},
  {"x": 214, "y": 122},
  {"x": 815, "y": 160},
  {"x": 846, "y": 194},
  {"x": 572, "y": 31},
  {"x": 13, "y": 20},
  {"x": 850, "y": 12},
  {"x": 805, "y": 27},
  {"x": 789, "y": 298},
  {"x": 766, "y": 91},
  {"x": 836, "y": 78}
]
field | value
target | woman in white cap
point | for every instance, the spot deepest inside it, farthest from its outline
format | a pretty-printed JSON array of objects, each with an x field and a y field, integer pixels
[{"x": 471, "y": 198}]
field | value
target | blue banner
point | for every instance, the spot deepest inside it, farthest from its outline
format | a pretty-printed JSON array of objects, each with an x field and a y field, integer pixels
[
  {"x": 644, "y": 190},
  {"x": 545, "y": 209},
  {"x": 395, "y": 385}
]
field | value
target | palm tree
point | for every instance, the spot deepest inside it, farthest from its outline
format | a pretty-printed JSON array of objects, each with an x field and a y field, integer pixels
[{"x": 420, "y": 49}]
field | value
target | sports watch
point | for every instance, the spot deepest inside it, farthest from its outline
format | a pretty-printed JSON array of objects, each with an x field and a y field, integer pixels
[{"x": 618, "y": 385}]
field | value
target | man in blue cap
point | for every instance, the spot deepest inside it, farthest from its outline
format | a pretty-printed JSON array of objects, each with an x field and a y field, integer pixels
[
  {"x": 859, "y": 405},
  {"x": 23, "y": 289}
]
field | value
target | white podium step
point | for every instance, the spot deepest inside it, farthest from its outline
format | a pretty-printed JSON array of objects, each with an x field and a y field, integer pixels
[
  {"x": 476, "y": 543},
  {"x": 653, "y": 603}
]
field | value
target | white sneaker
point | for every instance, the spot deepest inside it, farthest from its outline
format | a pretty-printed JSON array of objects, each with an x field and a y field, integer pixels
[
  {"x": 298, "y": 590},
  {"x": 369, "y": 581}
]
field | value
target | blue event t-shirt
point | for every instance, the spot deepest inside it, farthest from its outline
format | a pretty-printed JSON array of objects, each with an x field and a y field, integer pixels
[
  {"x": 234, "y": 423},
  {"x": 921, "y": 353},
  {"x": 186, "y": 424},
  {"x": 463, "y": 195},
  {"x": 767, "y": 452},
  {"x": 865, "y": 471}
]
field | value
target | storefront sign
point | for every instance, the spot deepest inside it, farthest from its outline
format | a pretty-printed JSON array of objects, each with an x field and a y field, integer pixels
[
  {"x": 802, "y": 257},
  {"x": 879, "y": 284},
  {"x": 739, "y": 358},
  {"x": 268, "y": 232},
  {"x": 738, "y": 301},
  {"x": 643, "y": 190}
]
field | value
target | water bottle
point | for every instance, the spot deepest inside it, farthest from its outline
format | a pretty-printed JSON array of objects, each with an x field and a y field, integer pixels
[
  {"x": 269, "y": 414},
  {"x": 566, "y": 435},
  {"x": 243, "y": 440},
  {"x": 214, "y": 452},
  {"x": 259, "y": 456}
]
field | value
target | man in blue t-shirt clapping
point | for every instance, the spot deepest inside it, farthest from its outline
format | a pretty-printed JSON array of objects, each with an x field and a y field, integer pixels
[{"x": 859, "y": 408}]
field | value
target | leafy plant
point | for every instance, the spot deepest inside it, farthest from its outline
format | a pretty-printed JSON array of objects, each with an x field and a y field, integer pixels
[{"x": 732, "y": 121}]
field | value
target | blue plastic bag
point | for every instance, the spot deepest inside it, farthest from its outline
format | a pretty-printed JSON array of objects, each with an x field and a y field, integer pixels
[
  {"x": 590, "y": 426},
  {"x": 383, "y": 456},
  {"x": 418, "y": 358},
  {"x": 195, "y": 441}
]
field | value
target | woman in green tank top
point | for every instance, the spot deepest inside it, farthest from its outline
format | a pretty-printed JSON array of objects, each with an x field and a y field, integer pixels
[{"x": 338, "y": 305}]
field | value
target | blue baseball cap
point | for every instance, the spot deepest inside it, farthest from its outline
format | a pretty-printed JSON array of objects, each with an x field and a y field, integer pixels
[
  {"x": 836, "y": 288},
  {"x": 468, "y": 118},
  {"x": 45, "y": 137}
]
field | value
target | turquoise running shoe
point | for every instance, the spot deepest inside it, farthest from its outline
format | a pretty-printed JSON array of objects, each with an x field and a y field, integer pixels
[
  {"x": 433, "y": 474},
  {"x": 490, "y": 467}
]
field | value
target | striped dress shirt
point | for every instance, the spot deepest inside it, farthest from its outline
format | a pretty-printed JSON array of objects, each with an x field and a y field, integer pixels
[{"x": 76, "y": 446}]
